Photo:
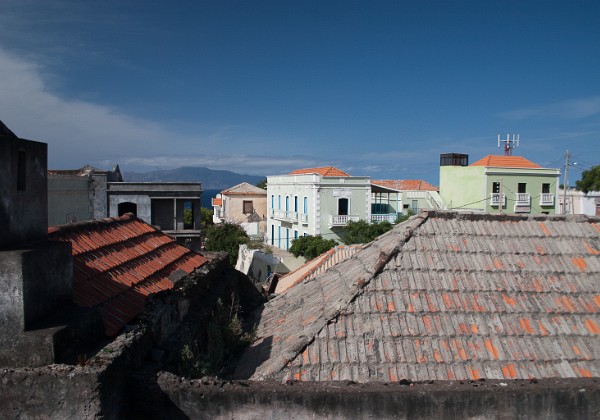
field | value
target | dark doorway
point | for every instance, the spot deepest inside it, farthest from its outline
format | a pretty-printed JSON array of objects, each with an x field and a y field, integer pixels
[
  {"x": 343, "y": 207},
  {"x": 127, "y": 207}
]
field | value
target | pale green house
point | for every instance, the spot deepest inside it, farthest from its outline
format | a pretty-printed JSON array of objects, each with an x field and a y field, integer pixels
[
  {"x": 314, "y": 201},
  {"x": 510, "y": 184}
]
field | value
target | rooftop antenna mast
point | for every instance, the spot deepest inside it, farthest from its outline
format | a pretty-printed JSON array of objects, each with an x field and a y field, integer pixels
[{"x": 509, "y": 144}]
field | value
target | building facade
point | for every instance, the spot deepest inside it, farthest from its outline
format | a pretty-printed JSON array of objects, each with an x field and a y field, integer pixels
[
  {"x": 243, "y": 204},
  {"x": 314, "y": 201},
  {"x": 173, "y": 207},
  {"x": 495, "y": 184},
  {"x": 79, "y": 195}
]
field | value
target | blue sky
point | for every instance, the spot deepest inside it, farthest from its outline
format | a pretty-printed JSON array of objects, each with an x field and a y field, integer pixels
[{"x": 377, "y": 88}]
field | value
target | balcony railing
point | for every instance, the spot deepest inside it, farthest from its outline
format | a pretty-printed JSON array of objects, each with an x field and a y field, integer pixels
[
  {"x": 523, "y": 199},
  {"x": 495, "y": 200},
  {"x": 342, "y": 220},
  {"x": 286, "y": 216},
  {"x": 390, "y": 217},
  {"x": 303, "y": 217},
  {"x": 547, "y": 200}
]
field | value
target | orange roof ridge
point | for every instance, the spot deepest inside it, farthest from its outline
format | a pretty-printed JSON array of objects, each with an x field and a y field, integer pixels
[
  {"x": 323, "y": 171},
  {"x": 505, "y": 162}
]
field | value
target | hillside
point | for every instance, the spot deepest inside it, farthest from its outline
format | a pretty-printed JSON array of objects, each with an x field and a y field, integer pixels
[{"x": 210, "y": 178}]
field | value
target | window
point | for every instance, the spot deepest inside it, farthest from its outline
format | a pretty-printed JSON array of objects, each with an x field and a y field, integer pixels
[
  {"x": 21, "y": 170},
  {"x": 272, "y": 234},
  {"x": 279, "y": 201},
  {"x": 287, "y": 203},
  {"x": 278, "y": 236},
  {"x": 343, "y": 207},
  {"x": 305, "y": 205},
  {"x": 248, "y": 208},
  {"x": 287, "y": 238},
  {"x": 295, "y": 234},
  {"x": 545, "y": 188},
  {"x": 522, "y": 188},
  {"x": 296, "y": 204},
  {"x": 496, "y": 188},
  {"x": 272, "y": 202}
]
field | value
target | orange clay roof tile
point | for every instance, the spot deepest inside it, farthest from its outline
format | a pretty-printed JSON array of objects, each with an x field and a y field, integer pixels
[
  {"x": 118, "y": 262},
  {"x": 505, "y": 162},
  {"x": 323, "y": 171}
]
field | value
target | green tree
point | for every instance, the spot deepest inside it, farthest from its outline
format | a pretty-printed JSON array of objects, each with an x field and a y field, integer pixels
[
  {"x": 361, "y": 232},
  {"x": 311, "y": 246},
  {"x": 206, "y": 218},
  {"x": 262, "y": 184},
  {"x": 590, "y": 180},
  {"x": 226, "y": 237},
  {"x": 403, "y": 217}
]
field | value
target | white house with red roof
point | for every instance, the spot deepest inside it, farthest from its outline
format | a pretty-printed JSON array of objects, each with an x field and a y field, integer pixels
[
  {"x": 314, "y": 201},
  {"x": 495, "y": 184}
]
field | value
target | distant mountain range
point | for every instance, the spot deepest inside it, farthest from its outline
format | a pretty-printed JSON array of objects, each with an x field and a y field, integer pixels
[{"x": 210, "y": 178}]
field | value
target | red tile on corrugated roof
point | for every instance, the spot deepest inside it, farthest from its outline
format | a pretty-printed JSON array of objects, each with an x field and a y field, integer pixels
[
  {"x": 323, "y": 171},
  {"x": 505, "y": 162},
  {"x": 118, "y": 262}
]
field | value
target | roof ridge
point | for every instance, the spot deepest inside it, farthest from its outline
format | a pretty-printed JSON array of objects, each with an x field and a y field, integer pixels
[
  {"x": 69, "y": 227},
  {"x": 334, "y": 309}
]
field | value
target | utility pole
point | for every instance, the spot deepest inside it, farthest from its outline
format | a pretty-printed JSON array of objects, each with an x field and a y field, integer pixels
[{"x": 566, "y": 183}]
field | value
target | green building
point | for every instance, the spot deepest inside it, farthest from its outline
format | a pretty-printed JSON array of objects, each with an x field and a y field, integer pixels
[{"x": 493, "y": 184}]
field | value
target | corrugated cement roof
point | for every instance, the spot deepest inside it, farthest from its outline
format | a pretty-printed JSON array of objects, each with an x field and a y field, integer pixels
[
  {"x": 444, "y": 296},
  {"x": 118, "y": 262}
]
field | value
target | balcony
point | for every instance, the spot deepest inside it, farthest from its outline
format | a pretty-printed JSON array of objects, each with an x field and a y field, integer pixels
[
  {"x": 342, "y": 220},
  {"x": 286, "y": 216},
  {"x": 495, "y": 200},
  {"x": 303, "y": 217},
  {"x": 523, "y": 199},
  {"x": 522, "y": 203},
  {"x": 547, "y": 199},
  {"x": 389, "y": 217}
]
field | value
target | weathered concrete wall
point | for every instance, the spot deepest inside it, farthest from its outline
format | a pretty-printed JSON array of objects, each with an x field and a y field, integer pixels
[
  {"x": 33, "y": 283},
  {"x": 69, "y": 199},
  {"x": 23, "y": 192},
  {"x": 215, "y": 399},
  {"x": 144, "y": 210}
]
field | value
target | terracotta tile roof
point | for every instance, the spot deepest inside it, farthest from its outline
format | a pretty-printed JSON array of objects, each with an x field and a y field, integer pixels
[
  {"x": 217, "y": 201},
  {"x": 323, "y": 171},
  {"x": 444, "y": 296},
  {"x": 405, "y": 184},
  {"x": 244, "y": 189},
  {"x": 505, "y": 162},
  {"x": 118, "y": 262},
  {"x": 317, "y": 266}
]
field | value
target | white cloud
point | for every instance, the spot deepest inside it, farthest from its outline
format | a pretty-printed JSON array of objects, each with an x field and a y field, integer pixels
[{"x": 569, "y": 109}]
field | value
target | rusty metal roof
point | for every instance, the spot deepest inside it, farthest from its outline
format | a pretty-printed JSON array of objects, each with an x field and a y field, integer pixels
[
  {"x": 444, "y": 296},
  {"x": 118, "y": 262}
]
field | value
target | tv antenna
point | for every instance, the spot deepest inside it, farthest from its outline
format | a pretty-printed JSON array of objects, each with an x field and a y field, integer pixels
[{"x": 509, "y": 144}]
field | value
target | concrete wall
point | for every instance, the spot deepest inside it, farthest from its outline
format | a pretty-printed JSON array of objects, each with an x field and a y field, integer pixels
[
  {"x": 214, "y": 399},
  {"x": 34, "y": 282},
  {"x": 69, "y": 199},
  {"x": 23, "y": 211},
  {"x": 143, "y": 203},
  {"x": 463, "y": 187}
]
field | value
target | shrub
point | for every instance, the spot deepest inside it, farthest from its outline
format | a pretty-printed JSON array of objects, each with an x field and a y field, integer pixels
[{"x": 311, "y": 246}]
